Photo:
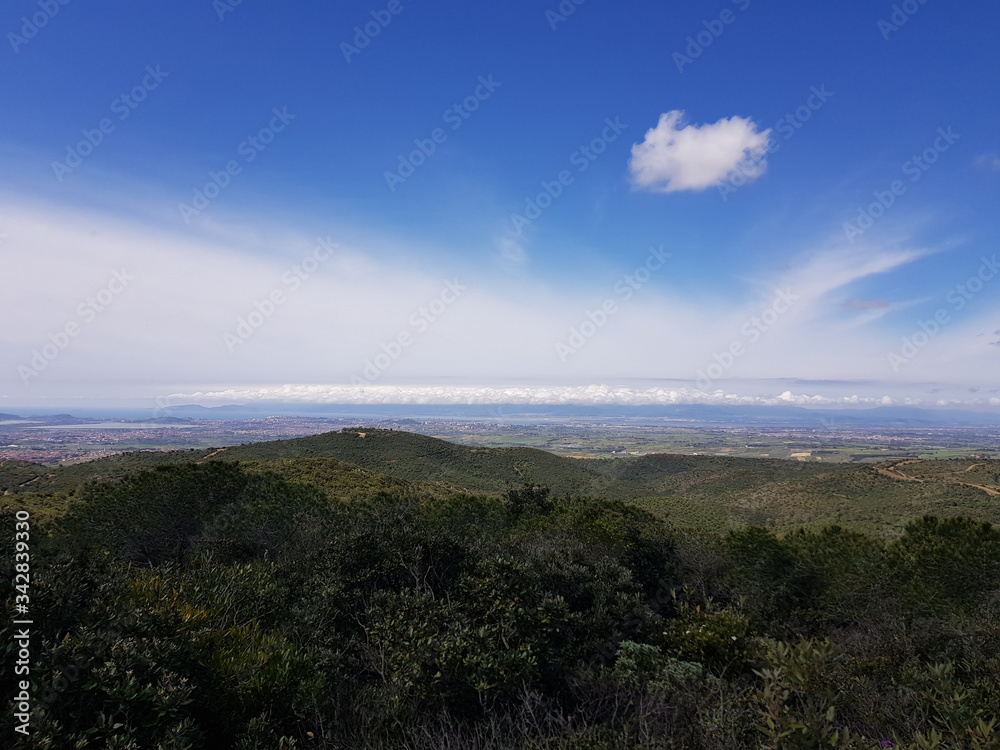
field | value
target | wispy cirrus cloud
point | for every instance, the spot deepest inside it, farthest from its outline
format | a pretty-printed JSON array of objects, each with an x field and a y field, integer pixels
[
  {"x": 193, "y": 287},
  {"x": 861, "y": 304}
]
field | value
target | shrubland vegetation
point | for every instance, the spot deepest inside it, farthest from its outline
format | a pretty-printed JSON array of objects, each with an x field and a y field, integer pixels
[
  {"x": 297, "y": 601},
  {"x": 716, "y": 493}
]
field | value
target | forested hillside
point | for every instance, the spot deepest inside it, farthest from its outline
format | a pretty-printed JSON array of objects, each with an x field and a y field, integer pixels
[
  {"x": 712, "y": 492},
  {"x": 216, "y": 604}
]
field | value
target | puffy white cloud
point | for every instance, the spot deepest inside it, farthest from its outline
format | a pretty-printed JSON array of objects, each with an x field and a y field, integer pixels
[{"x": 675, "y": 156}]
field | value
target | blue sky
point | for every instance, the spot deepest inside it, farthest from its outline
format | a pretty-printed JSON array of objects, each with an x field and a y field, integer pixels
[{"x": 751, "y": 203}]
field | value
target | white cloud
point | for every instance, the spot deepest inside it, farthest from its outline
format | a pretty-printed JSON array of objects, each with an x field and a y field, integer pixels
[
  {"x": 870, "y": 315},
  {"x": 839, "y": 395},
  {"x": 594, "y": 394},
  {"x": 165, "y": 333},
  {"x": 694, "y": 157},
  {"x": 510, "y": 251},
  {"x": 988, "y": 162}
]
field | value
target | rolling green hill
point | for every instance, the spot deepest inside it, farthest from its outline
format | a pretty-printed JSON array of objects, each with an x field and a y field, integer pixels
[
  {"x": 708, "y": 491},
  {"x": 417, "y": 457},
  {"x": 307, "y": 602}
]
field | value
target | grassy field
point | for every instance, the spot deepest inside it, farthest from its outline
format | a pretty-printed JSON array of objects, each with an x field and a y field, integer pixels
[{"x": 825, "y": 442}]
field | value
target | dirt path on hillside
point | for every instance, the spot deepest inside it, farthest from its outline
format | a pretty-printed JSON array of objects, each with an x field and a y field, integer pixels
[
  {"x": 199, "y": 463},
  {"x": 987, "y": 490},
  {"x": 893, "y": 471},
  {"x": 897, "y": 475}
]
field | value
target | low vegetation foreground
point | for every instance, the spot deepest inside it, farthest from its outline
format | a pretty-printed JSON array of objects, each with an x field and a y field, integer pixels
[{"x": 377, "y": 589}]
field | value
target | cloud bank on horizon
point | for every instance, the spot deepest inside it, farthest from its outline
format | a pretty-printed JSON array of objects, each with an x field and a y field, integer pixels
[
  {"x": 588, "y": 395},
  {"x": 267, "y": 212}
]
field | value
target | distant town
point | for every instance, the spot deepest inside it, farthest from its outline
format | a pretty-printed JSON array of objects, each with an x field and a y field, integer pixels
[{"x": 63, "y": 438}]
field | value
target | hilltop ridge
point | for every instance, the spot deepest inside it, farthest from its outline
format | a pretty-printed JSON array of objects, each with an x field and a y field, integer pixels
[{"x": 686, "y": 490}]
